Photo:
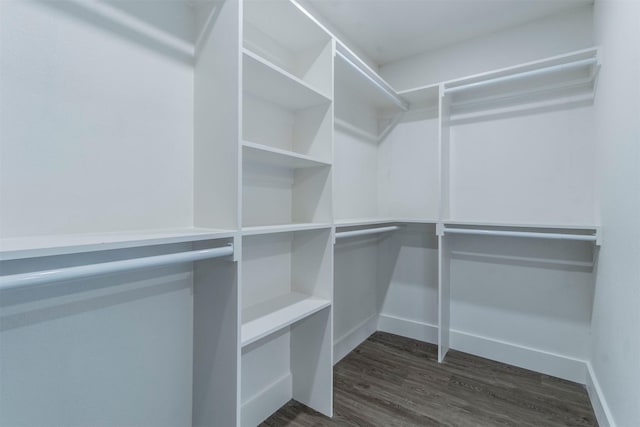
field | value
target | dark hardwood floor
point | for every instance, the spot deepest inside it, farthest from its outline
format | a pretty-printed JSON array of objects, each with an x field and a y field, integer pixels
[{"x": 394, "y": 381}]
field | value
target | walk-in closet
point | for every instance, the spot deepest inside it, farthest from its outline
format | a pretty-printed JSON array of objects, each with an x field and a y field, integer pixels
[{"x": 232, "y": 213}]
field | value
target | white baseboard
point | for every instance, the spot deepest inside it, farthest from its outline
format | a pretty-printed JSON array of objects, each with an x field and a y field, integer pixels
[
  {"x": 408, "y": 328},
  {"x": 354, "y": 338},
  {"x": 598, "y": 402},
  {"x": 553, "y": 364},
  {"x": 544, "y": 362},
  {"x": 259, "y": 407}
]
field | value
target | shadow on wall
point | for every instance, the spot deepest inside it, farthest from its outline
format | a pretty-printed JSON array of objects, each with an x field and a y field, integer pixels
[
  {"x": 25, "y": 306},
  {"x": 410, "y": 236},
  {"x": 561, "y": 255},
  {"x": 553, "y": 279},
  {"x": 97, "y": 294},
  {"x": 170, "y": 28}
]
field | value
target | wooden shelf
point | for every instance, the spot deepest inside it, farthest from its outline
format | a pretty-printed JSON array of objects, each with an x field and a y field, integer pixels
[
  {"x": 269, "y": 82},
  {"x": 285, "y": 228},
  {"x": 39, "y": 246},
  {"x": 264, "y": 319},
  {"x": 252, "y": 151}
]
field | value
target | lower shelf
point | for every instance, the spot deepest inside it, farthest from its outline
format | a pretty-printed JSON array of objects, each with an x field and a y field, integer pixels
[{"x": 263, "y": 319}]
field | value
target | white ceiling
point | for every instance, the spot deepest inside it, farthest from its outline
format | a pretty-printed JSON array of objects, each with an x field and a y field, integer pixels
[{"x": 388, "y": 30}]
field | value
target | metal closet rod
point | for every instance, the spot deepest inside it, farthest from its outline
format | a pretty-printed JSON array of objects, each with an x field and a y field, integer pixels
[
  {"x": 532, "y": 73},
  {"x": 70, "y": 273},
  {"x": 530, "y": 234},
  {"x": 388, "y": 91},
  {"x": 365, "y": 231},
  {"x": 401, "y": 103}
]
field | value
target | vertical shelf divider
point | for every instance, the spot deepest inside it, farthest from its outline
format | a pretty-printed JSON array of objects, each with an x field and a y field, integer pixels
[
  {"x": 217, "y": 173},
  {"x": 444, "y": 290},
  {"x": 444, "y": 294}
]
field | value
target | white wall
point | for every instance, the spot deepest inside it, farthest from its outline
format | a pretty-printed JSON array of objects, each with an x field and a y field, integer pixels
[
  {"x": 96, "y": 135},
  {"x": 354, "y": 172},
  {"x": 615, "y": 352},
  {"x": 539, "y": 39},
  {"x": 408, "y": 171},
  {"x": 97, "y": 116},
  {"x": 355, "y": 292},
  {"x": 408, "y": 280},
  {"x": 537, "y": 168}
]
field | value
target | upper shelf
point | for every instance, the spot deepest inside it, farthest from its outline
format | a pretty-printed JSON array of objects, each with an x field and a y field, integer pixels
[
  {"x": 354, "y": 222},
  {"x": 271, "y": 83},
  {"x": 578, "y": 227},
  {"x": 289, "y": 38},
  {"x": 560, "y": 76},
  {"x": 40, "y": 246},
  {"x": 586, "y": 232},
  {"x": 422, "y": 97},
  {"x": 370, "y": 89}
]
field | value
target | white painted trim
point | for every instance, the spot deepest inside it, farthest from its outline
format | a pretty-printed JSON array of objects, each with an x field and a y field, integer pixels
[
  {"x": 408, "y": 328},
  {"x": 267, "y": 401},
  {"x": 545, "y": 362},
  {"x": 598, "y": 401},
  {"x": 353, "y": 338},
  {"x": 554, "y": 364}
]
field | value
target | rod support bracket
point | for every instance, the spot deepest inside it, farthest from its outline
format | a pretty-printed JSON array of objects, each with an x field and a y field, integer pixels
[{"x": 237, "y": 248}]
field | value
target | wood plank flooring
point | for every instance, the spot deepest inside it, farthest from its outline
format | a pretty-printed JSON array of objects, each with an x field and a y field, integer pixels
[{"x": 395, "y": 381}]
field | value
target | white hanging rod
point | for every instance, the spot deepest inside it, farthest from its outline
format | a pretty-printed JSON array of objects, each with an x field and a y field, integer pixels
[
  {"x": 530, "y": 234},
  {"x": 365, "y": 231},
  {"x": 401, "y": 103},
  {"x": 532, "y": 73},
  {"x": 69, "y": 273}
]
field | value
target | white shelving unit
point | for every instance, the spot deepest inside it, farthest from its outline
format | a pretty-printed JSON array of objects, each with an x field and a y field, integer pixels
[
  {"x": 285, "y": 138},
  {"x": 378, "y": 154},
  {"x": 551, "y": 181},
  {"x": 287, "y": 117},
  {"x": 286, "y": 335},
  {"x": 258, "y": 153},
  {"x": 125, "y": 165},
  {"x": 42, "y": 246},
  {"x": 262, "y": 320},
  {"x": 530, "y": 123},
  {"x": 287, "y": 156},
  {"x": 545, "y": 83},
  {"x": 267, "y": 81}
]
